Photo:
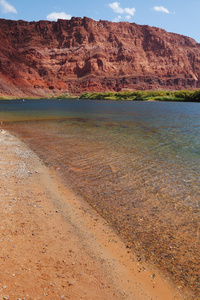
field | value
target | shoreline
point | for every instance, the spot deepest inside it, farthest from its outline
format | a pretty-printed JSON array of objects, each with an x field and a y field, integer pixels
[
  {"x": 184, "y": 95},
  {"x": 55, "y": 245}
]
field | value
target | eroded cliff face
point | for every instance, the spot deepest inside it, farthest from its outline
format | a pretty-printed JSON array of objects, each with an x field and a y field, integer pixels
[{"x": 78, "y": 55}]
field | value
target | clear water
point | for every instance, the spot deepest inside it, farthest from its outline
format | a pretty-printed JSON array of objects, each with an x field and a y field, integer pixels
[{"x": 137, "y": 163}]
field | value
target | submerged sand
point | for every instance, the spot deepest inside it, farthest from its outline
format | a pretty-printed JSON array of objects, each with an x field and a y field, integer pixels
[{"x": 55, "y": 246}]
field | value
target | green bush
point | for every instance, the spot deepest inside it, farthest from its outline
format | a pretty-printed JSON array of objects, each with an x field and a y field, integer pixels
[{"x": 182, "y": 95}]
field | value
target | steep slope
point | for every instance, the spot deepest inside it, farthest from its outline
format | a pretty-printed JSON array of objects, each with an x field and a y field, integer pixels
[{"x": 78, "y": 55}]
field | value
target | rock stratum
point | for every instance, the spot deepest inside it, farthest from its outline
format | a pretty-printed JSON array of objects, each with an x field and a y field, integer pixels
[{"x": 79, "y": 55}]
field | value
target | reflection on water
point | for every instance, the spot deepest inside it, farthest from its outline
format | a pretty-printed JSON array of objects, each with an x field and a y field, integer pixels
[{"x": 137, "y": 163}]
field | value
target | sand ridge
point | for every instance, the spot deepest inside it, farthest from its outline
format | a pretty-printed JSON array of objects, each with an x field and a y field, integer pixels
[{"x": 55, "y": 246}]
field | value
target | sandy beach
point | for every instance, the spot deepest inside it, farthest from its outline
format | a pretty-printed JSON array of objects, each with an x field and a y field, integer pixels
[{"x": 55, "y": 246}]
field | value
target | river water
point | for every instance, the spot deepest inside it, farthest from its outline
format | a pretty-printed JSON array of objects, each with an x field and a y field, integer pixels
[{"x": 137, "y": 163}]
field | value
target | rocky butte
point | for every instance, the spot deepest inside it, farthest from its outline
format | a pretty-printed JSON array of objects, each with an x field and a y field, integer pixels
[{"x": 78, "y": 55}]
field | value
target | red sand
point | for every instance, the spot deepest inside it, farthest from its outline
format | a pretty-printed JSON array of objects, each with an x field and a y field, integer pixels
[{"x": 55, "y": 246}]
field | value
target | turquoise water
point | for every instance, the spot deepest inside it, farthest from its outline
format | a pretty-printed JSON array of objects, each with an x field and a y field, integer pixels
[{"x": 137, "y": 163}]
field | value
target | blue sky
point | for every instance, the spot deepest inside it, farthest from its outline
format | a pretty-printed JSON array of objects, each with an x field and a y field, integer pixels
[{"x": 172, "y": 15}]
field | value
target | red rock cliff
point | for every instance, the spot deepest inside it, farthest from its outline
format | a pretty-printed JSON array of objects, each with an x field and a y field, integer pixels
[{"x": 77, "y": 55}]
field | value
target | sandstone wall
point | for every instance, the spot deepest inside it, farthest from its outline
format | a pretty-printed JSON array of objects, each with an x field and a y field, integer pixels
[{"x": 78, "y": 55}]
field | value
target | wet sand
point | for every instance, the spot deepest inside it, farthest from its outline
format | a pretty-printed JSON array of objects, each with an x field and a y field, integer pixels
[{"x": 55, "y": 246}]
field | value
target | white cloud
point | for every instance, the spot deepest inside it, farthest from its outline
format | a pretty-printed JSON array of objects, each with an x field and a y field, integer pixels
[
  {"x": 117, "y": 19},
  {"x": 54, "y": 16},
  {"x": 161, "y": 9},
  {"x": 128, "y": 17},
  {"x": 129, "y": 11},
  {"x": 7, "y": 8},
  {"x": 115, "y": 6}
]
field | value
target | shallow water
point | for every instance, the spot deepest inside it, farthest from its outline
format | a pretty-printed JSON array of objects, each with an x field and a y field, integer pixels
[{"x": 137, "y": 163}]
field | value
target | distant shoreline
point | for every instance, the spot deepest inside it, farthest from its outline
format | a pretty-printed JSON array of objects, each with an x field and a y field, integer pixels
[{"x": 174, "y": 96}]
